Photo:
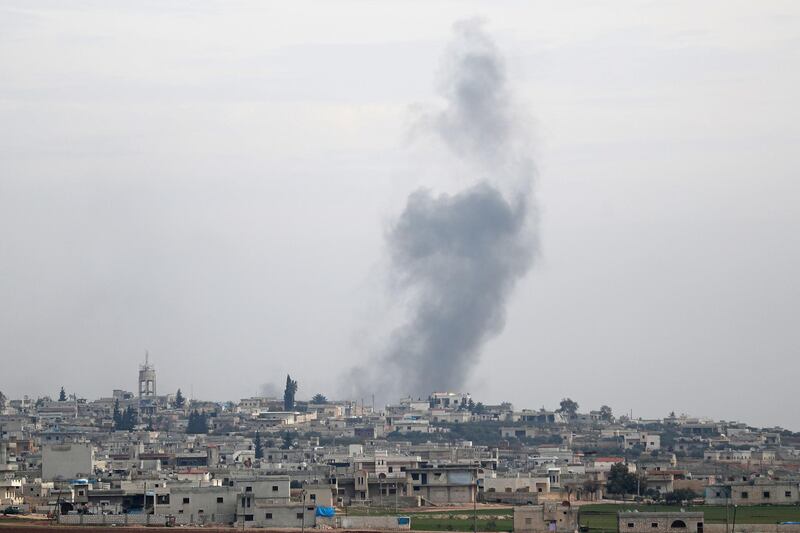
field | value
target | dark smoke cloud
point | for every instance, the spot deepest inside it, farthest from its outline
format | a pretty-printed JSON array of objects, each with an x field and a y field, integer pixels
[{"x": 458, "y": 256}]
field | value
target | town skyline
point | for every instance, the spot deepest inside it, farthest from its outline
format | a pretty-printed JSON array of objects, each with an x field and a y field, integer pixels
[
  {"x": 386, "y": 266},
  {"x": 306, "y": 396},
  {"x": 155, "y": 459},
  {"x": 251, "y": 191}
]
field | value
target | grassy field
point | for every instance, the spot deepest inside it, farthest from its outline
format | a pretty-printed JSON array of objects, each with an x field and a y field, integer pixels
[
  {"x": 494, "y": 519},
  {"x": 488, "y": 520},
  {"x": 602, "y": 518}
]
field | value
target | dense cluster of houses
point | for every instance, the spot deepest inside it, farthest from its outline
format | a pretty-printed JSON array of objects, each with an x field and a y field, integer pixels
[{"x": 257, "y": 463}]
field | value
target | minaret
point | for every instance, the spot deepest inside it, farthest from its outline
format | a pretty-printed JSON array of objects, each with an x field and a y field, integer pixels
[{"x": 147, "y": 387}]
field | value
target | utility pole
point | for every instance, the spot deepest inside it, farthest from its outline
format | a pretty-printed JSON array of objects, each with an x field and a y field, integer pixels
[
  {"x": 303, "y": 521},
  {"x": 727, "y": 510},
  {"x": 475, "y": 506}
]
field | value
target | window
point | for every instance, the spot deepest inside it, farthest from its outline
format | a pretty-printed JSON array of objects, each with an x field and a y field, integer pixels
[
  {"x": 653, "y": 524},
  {"x": 766, "y": 494},
  {"x": 269, "y": 516},
  {"x": 248, "y": 489},
  {"x": 299, "y": 516},
  {"x": 699, "y": 527},
  {"x": 274, "y": 488},
  {"x": 679, "y": 524},
  {"x": 313, "y": 497},
  {"x": 219, "y": 499},
  {"x": 630, "y": 524},
  {"x": 80, "y": 493},
  {"x": 744, "y": 495},
  {"x": 719, "y": 494},
  {"x": 415, "y": 476},
  {"x": 186, "y": 500},
  {"x": 248, "y": 518},
  {"x": 788, "y": 494}
]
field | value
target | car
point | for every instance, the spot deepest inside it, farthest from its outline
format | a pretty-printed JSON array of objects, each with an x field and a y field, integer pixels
[{"x": 12, "y": 509}]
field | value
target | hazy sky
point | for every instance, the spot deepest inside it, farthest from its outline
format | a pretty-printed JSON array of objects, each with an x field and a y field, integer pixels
[{"x": 213, "y": 182}]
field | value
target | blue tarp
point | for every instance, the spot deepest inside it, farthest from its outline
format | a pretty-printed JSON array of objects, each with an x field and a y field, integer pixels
[{"x": 326, "y": 511}]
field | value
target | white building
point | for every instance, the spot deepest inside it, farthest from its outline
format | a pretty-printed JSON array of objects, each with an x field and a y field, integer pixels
[{"x": 67, "y": 460}]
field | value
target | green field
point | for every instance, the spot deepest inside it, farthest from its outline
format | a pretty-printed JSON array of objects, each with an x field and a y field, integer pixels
[
  {"x": 494, "y": 519},
  {"x": 488, "y": 520},
  {"x": 603, "y": 517}
]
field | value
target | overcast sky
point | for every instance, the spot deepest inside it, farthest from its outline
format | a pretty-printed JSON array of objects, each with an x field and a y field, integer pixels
[{"x": 213, "y": 182}]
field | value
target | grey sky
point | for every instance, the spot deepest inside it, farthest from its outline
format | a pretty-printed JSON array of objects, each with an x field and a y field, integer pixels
[{"x": 214, "y": 184}]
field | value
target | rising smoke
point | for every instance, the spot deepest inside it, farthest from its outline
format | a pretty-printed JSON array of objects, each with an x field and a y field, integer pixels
[{"x": 458, "y": 256}]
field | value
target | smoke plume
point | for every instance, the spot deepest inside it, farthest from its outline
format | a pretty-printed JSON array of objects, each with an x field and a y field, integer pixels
[{"x": 457, "y": 257}]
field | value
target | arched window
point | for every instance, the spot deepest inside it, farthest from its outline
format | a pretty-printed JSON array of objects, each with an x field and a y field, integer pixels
[{"x": 678, "y": 524}]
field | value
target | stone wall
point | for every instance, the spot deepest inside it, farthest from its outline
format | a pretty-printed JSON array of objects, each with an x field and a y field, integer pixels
[
  {"x": 141, "y": 519},
  {"x": 753, "y": 528},
  {"x": 384, "y": 523}
]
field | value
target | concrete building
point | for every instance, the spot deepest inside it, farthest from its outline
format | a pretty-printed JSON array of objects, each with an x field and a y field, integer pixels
[
  {"x": 411, "y": 425},
  {"x": 548, "y": 517},
  {"x": 520, "y": 490},
  {"x": 256, "y": 512},
  {"x": 660, "y": 481},
  {"x": 727, "y": 456},
  {"x": 604, "y": 464},
  {"x": 648, "y": 441},
  {"x": 541, "y": 417},
  {"x": 268, "y": 489},
  {"x": 267, "y": 502},
  {"x": 756, "y": 491},
  {"x": 650, "y": 522},
  {"x": 54, "y": 412},
  {"x": 451, "y": 483},
  {"x": 212, "y": 505},
  {"x": 10, "y": 492},
  {"x": 67, "y": 460}
]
